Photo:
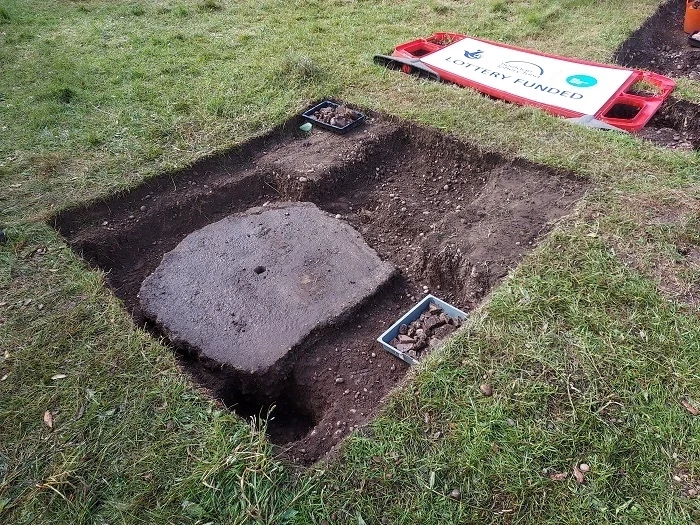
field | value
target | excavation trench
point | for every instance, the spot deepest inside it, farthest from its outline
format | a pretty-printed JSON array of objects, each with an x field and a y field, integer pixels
[
  {"x": 660, "y": 45},
  {"x": 452, "y": 219},
  {"x": 676, "y": 125}
]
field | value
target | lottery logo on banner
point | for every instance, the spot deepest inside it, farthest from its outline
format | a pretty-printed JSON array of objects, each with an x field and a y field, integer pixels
[{"x": 476, "y": 55}]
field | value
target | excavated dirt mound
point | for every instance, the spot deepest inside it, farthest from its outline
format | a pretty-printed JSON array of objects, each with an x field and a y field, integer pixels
[{"x": 454, "y": 220}]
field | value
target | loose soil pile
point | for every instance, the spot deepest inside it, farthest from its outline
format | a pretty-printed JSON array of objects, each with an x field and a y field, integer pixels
[{"x": 452, "y": 219}]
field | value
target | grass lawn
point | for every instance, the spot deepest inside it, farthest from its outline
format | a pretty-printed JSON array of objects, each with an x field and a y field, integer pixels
[{"x": 590, "y": 345}]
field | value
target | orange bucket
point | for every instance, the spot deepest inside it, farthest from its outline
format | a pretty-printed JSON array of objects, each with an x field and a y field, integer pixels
[{"x": 692, "y": 16}]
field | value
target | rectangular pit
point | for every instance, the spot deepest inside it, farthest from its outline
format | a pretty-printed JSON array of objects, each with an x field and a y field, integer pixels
[{"x": 452, "y": 219}]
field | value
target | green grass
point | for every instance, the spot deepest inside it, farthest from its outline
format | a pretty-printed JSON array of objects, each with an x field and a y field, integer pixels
[{"x": 590, "y": 341}]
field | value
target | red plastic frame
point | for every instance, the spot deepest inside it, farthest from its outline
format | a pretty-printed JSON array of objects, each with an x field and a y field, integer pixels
[{"x": 646, "y": 106}]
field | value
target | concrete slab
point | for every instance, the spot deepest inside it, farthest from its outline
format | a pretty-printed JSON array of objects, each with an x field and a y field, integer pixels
[{"x": 247, "y": 289}]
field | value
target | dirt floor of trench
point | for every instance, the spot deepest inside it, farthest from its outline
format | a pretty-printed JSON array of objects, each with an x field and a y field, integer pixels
[
  {"x": 660, "y": 45},
  {"x": 453, "y": 219}
]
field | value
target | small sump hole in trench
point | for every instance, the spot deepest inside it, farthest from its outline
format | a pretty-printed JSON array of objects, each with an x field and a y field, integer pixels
[
  {"x": 286, "y": 418},
  {"x": 282, "y": 406}
]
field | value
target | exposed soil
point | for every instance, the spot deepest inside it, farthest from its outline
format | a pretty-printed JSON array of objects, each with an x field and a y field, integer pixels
[
  {"x": 661, "y": 45},
  {"x": 676, "y": 125},
  {"x": 453, "y": 219}
]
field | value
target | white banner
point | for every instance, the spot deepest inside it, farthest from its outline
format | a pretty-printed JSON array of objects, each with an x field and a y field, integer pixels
[{"x": 553, "y": 81}]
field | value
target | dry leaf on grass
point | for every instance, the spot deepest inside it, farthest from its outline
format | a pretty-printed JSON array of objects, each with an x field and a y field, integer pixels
[
  {"x": 48, "y": 419},
  {"x": 558, "y": 476},
  {"x": 578, "y": 474},
  {"x": 58, "y": 376},
  {"x": 690, "y": 408}
]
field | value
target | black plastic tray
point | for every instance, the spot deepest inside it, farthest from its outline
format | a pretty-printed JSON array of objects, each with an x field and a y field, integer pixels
[{"x": 309, "y": 116}]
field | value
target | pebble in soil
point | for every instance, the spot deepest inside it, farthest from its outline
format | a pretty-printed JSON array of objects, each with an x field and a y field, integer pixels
[{"x": 433, "y": 325}]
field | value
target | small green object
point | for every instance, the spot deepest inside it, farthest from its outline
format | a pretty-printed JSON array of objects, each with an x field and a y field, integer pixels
[{"x": 306, "y": 126}]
